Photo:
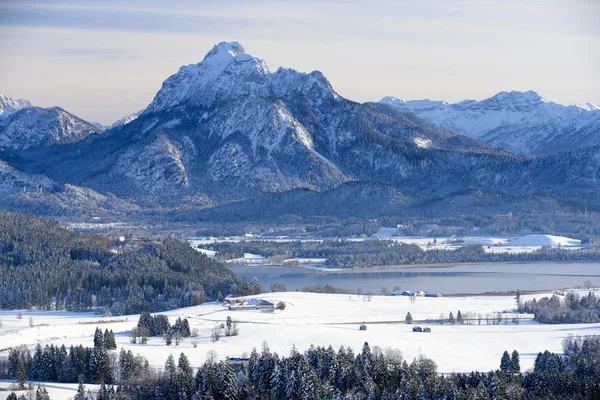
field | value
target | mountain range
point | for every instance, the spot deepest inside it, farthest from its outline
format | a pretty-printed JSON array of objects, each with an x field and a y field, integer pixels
[
  {"x": 228, "y": 135},
  {"x": 520, "y": 122}
]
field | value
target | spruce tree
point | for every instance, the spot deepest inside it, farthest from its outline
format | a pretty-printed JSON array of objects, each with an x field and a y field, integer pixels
[
  {"x": 515, "y": 362},
  {"x": 228, "y": 387},
  {"x": 80, "y": 392},
  {"x": 98, "y": 339},
  {"x": 185, "y": 376},
  {"x": 459, "y": 318},
  {"x": 109, "y": 340},
  {"x": 22, "y": 371},
  {"x": 41, "y": 394},
  {"x": 409, "y": 318},
  {"x": 451, "y": 318},
  {"x": 505, "y": 362}
]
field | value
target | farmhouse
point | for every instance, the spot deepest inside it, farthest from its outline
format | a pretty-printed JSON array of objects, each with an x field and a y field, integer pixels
[
  {"x": 433, "y": 294},
  {"x": 253, "y": 304}
]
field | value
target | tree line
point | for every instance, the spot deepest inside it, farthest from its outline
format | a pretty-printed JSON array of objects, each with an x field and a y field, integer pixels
[
  {"x": 372, "y": 373},
  {"x": 573, "y": 309},
  {"x": 366, "y": 253}
]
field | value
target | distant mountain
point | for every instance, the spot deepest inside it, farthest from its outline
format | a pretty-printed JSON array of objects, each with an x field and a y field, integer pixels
[
  {"x": 9, "y": 106},
  {"x": 228, "y": 127},
  {"x": 231, "y": 135},
  {"x": 520, "y": 122},
  {"x": 32, "y": 127},
  {"x": 126, "y": 119}
]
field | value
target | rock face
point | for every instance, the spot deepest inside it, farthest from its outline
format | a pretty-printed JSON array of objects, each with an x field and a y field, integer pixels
[
  {"x": 519, "y": 122},
  {"x": 230, "y": 129}
]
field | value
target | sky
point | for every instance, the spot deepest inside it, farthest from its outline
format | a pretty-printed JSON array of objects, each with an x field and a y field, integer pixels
[{"x": 102, "y": 60}]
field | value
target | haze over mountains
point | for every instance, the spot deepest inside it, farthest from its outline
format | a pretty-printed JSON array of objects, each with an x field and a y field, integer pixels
[{"x": 229, "y": 129}]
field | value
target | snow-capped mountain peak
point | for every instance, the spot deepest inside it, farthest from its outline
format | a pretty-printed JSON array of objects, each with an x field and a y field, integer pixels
[
  {"x": 126, "y": 119},
  {"x": 520, "y": 122},
  {"x": 9, "y": 106},
  {"x": 589, "y": 107},
  {"x": 225, "y": 70}
]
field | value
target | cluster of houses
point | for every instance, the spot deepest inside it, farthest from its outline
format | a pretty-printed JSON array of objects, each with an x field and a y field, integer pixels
[
  {"x": 250, "y": 304},
  {"x": 416, "y": 293}
]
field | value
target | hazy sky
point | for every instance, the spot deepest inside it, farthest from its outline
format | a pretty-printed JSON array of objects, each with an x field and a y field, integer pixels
[{"x": 103, "y": 60}]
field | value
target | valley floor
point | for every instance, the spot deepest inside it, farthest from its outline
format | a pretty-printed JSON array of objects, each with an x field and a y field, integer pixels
[{"x": 319, "y": 319}]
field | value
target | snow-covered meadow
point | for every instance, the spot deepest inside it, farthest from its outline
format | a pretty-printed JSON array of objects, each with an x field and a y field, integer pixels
[{"x": 319, "y": 319}]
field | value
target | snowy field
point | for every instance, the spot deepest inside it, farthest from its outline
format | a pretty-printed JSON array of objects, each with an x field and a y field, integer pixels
[
  {"x": 319, "y": 319},
  {"x": 57, "y": 391}
]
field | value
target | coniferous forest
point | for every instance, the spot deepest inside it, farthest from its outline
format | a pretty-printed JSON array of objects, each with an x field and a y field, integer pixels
[
  {"x": 318, "y": 373},
  {"x": 47, "y": 267},
  {"x": 573, "y": 309},
  {"x": 367, "y": 253}
]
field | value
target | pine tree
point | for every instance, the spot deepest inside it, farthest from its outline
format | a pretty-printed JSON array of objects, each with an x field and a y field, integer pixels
[
  {"x": 22, "y": 371},
  {"x": 170, "y": 368},
  {"x": 80, "y": 392},
  {"x": 409, "y": 318},
  {"x": 103, "y": 393},
  {"x": 99, "y": 366},
  {"x": 459, "y": 318},
  {"x": 146, "y": 321},
  {"x": 185, "y": 376},
  {"x": 505, "y": 362},
  {"x": 98, "y": 339},
  {"x": 109, "y": 340},
  {"x": 41, "y": 394},
  {"x": 515, "y": 362},
  {"x": 185, "y": 328},
  {"x": 451, "y": 318},
  {"x": 228, "y": 387},
  {"x": 36, "y": 364}
]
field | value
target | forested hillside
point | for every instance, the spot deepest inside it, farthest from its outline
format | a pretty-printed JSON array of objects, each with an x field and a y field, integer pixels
[{"x": 45, "y": 266}]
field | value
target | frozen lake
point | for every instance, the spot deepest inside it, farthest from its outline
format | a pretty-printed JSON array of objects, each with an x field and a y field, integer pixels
[{"x": 459, "y": 279}]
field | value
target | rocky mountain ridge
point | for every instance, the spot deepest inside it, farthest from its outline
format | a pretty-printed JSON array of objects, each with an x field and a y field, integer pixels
[
  {"x": 230, "y": 131},
  {"x": 522, "y": 123}
]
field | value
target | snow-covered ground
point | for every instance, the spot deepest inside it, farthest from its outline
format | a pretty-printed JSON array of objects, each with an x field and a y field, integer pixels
[
  {"x": 545, "y": 240},
  {"x": 248, "y": 258},
  {"x": 319, "y": 319},
  {"x": 57, "y": 391}
]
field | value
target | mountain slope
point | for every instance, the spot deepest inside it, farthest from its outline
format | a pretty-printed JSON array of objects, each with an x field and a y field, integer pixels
[
  {"x": 519, "y": 122},
  {"x": 32, "y": 127},
  {"x": 230, "y": 128},
  {"x": 229, "y": 132},
  {"x": 9, "y": 106}
]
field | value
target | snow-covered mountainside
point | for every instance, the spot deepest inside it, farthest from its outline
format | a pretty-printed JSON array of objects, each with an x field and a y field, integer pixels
[
  {"x": 229, "y": 129},
  {"x": 228, "y": 126},
  {"x": 126, "y": 119},
  {"x": 33, "y": 126},
  {"x": 9, "y": 106},
  {"x": 519, "y": 122}
]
